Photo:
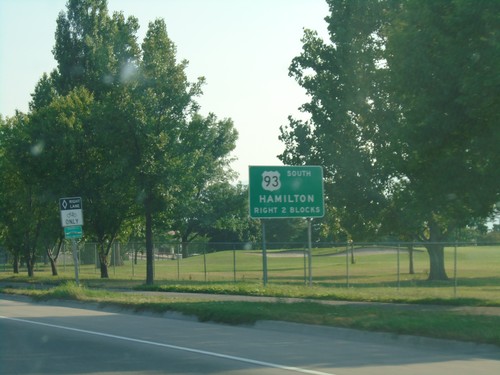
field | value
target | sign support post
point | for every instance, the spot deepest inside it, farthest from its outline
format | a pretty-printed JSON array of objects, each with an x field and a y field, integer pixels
[
  {"x": 75, "y": 259},
  {"x": 283, "y": 192},
  {"x": 309, "y": 245},
  {"x": 264, "y": 253}
]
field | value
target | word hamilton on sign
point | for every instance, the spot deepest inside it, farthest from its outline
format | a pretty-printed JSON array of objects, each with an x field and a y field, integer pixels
[{"x": 302, "y": 198}]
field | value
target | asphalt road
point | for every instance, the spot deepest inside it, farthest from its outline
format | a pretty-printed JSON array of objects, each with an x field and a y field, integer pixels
[{"x": 71, "y": 338}]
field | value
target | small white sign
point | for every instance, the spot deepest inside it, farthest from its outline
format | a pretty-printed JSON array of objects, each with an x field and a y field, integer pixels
[{"x": 71, "y": 211}]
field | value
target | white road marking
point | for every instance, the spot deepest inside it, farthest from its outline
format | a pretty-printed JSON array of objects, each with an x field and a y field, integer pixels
[{"x": 175, "y": 347}]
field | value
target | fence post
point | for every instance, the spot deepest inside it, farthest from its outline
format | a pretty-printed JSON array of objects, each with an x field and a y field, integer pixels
[
  {"x": 132, "y": 259},
  {"x": 305, "y": 265},
  {"x": 264, "y": 254},
  {"x": 455, "y": 271},
  {"x": 347, "y": 263},
  {"x": 309, "y": 245},
  {"x": 79, "y": 255},
  {"x": 234, "y": 262},
  {"x": 178, "y": 261},
  {"x": 399, "y": 279},
  {"x": 205, "y": 261}
]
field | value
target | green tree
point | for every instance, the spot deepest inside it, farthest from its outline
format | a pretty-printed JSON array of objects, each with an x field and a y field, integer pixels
[
  {"x": 338, "y": 77},
  {"x": 100, "y": 53},
  {"x": 58, "y": 131},
  {"x": 23, "y": 202},
  {"x": 45, "y": 91},
  {"x": 225, "y": 214},
  {"x": 443, "y": 69},
  {"x": 281, "y": 231},
  {"x": 93, "y": 49},
  {"x": 403, "y": 117},
  {"x": 109, "y": 186},
  {"x": 163, "y": 105},
  {"x": 81, "y": 156},
  {"x": 118, "y": 125},
  {"x": 10, "y": 230},
  {"x": 207, "y": 143}
]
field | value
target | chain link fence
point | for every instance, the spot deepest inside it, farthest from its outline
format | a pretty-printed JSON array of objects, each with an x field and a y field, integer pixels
[{"x": 393, "y": 264}]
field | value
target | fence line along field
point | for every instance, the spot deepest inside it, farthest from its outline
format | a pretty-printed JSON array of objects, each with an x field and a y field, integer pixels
[{"x": 374, "y": 272}]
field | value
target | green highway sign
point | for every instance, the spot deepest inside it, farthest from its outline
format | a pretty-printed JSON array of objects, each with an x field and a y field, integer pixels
[
  {"x": 286, "y": 192},
  {"x": 73, "y": 232}
]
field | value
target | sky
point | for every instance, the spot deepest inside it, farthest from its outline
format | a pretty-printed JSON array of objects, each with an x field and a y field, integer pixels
[{"x": 242, "y": 47}]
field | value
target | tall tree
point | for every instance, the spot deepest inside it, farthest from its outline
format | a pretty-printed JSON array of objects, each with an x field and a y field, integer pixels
[
  {"x": 101, "y": 53},
  {"x": 207, "y": 143},
  {"x": 228, "y": 219},
  {"x": 444, "y": 69},
  {"x": 23, "y": 202},
  {"x": 163, "y": 105},
  {"x": 403, "y": 114},
  {"x": 45, "y": 91},
  {"x": 121, "y": 122},
  {"x": 338, "y": 77},
  {"x": 10, "y": 230},
  {"x": 110, "y": 187},
  {"x": 81, "y": 50},
  {"x": 92, "y": 49},
  {"x": 219, "y": 212}
]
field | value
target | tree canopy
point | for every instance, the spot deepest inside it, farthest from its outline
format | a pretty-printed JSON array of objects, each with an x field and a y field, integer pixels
[
  {"x": 403, "y": 117},
  {"x": 116, "y": 123}
]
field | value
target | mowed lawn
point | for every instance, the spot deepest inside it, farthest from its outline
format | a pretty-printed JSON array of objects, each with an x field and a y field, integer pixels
[{"x": 369, "y": 273}]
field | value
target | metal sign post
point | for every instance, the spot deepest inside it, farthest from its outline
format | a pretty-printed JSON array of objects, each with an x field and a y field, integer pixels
[
  {"x": 75, "y": 260},
  {"x": 309, "y": 245},
  {"x": 264, "y": 254},
  {"x": 282, "y": 192}
]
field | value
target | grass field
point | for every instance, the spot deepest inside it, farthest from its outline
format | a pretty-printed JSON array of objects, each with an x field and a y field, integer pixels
[{"x": 373, "y": 277}]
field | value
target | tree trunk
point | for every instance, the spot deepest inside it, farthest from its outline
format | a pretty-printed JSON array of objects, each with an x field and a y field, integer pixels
[
  {"x": 30, "y": 264},
  {"x": 53, "y": 257},
  {"x": 185, "y": 247},
  {"x": 410, "y": 256},
  {"x": 103, "y": 265},
  {"x": 53, "y": 266},
  {"x": 149, "y": 243},
  {"x": 15, "y": 264},
  {"x": 437, "y": 271},
  {"x": 353, "y": 260},
  {"x": 435, "y": 249}
]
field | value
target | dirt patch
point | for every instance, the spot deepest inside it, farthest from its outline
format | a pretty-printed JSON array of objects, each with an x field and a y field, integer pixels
[
  {"x": 362, "y": 251},
  {"x": 376, "y": 251}
]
